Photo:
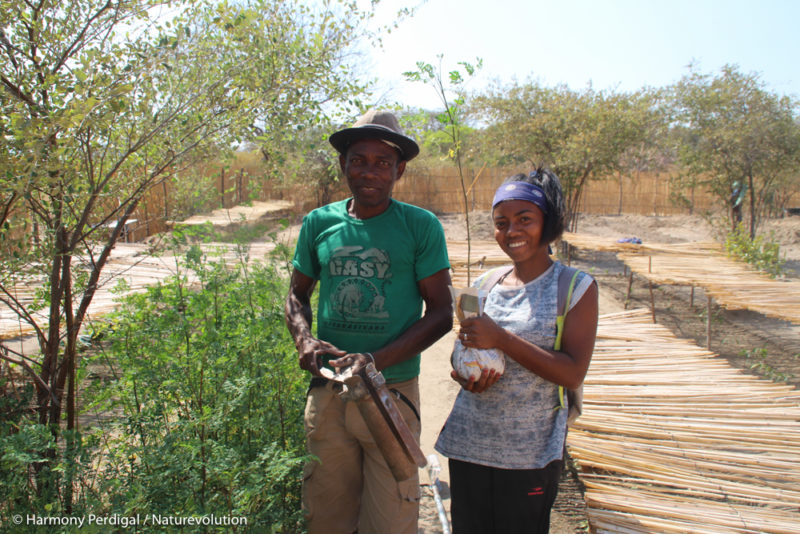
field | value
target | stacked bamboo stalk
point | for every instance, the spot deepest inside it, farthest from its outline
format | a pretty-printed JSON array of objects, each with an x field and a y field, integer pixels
[
  {"x": 673, "y": 439},
  {"x": 131, "y": 263},
  {"x": 732, "y": 284},
  {"x": 483, "y": 255}
]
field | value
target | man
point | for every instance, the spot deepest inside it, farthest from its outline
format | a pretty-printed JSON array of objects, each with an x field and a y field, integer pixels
[
  {"x": 736, "y": 200},
  {"x": 377, "y": 260}
]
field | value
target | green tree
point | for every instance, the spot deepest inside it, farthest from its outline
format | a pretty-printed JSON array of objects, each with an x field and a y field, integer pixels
[
  {"x": 580, "y": 135},
  {"x": 436, "y": 140},
  {"x": 103, "y": 101},
  {"x": 451, "y": 95},
  {"x": 734, "y": 130}
]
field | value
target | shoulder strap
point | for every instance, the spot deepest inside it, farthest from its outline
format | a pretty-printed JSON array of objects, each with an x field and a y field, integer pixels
[
  {"x": 566, "y": 283},
  {"x": 494, "y": 276}
]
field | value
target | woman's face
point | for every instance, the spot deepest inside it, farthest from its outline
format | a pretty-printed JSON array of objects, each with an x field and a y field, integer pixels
[{"x": 518, "y": 226}]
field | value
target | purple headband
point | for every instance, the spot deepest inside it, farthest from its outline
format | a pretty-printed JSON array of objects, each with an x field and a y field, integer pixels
[{"x": 521, "y": 191}]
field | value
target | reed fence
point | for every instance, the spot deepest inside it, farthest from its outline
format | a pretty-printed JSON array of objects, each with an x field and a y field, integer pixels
[
  {"x": 440, "y": 191},
  {"x": 437, "y": 189}
]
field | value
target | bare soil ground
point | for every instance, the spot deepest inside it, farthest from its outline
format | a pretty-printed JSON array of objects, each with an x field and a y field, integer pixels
[{"x": 763, "y": 346}]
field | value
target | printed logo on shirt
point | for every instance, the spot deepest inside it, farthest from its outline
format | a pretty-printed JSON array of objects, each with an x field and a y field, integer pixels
[{"x": 359, "y": 295}]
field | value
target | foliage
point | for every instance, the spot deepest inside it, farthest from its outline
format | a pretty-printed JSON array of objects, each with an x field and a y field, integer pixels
[
  {"x": 103, "y": 101},
  {"x": 207, "y": 398},
  {"x": 451, "y": 119},
  {"x": 734, "y": 130},
  {"x": 758, "y": 360},
  {"x": 436, "y": 140},
  {"x": 212, "y": 397},
  {"x": 580, "y": 135},
  {"x": 763, "y": 254}
]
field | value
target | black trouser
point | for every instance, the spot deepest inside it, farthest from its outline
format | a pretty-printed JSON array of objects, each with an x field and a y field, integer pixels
[{"x": 486, "y": 500}]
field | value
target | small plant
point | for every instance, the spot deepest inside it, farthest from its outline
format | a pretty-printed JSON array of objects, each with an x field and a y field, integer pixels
[
  {"x": 212, "y": 398},
  {"x": 757, "y": 361},
  {"x": 451, "y": 120},
  {"x": 761, "y": 253}
]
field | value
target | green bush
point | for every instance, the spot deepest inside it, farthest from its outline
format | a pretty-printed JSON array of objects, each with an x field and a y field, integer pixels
[
  {"x": 763, "y": 254},
  {"x": 197, "y": 401},
  {"x": 212, "y": 397}
]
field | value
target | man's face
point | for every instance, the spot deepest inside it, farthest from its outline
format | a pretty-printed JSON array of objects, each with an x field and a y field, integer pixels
[{"x": 371, "y": 167}]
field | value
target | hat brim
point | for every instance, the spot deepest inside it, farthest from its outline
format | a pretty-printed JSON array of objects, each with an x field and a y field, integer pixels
[{"x": 342, "y": 139}]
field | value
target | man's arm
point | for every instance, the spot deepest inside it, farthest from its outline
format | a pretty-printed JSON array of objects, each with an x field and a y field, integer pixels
[{"x": 298, "y": 320}]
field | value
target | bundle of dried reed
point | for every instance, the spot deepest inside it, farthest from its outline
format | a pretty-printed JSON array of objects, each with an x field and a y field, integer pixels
[
  {"x": 672, "y": 439},
  {"x": 733, "y": 284}
]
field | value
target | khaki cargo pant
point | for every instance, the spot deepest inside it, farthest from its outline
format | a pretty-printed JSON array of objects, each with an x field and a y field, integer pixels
[{"x": 351, "y": 487}]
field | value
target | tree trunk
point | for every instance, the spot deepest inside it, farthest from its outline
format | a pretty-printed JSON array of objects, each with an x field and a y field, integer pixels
[{"x": 222, "y": 186}]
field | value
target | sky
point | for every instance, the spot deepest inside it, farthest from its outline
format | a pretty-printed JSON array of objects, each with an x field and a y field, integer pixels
[{"x": 621, "y": 45}]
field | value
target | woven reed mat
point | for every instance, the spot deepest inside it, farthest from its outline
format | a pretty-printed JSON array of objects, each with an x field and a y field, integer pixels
[
  {"x": 733, "y": 284},
  {"x": 129, "y": 262}
]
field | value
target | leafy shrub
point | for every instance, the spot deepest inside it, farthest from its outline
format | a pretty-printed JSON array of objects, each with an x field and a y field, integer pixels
[
  {"x": 196, "y": 402},
  {"x": 212, "y": 399},
  {"x": 763, "y": 254}
]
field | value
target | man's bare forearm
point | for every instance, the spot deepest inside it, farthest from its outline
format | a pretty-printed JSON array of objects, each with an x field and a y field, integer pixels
[{"x": 298, "y": 318}]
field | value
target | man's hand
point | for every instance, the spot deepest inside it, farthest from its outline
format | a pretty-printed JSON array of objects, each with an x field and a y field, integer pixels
[
  {"x": 357, "y": 360},
  {"x": 298, "y": 320},
  {"x": 311, "y": 351}
]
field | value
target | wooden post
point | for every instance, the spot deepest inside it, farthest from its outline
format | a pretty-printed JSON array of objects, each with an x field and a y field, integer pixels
[
  {"x": 166, "y": 203},
  {"x": 222, "y": 186},
  {"x": 655, "y": 195},
  {"x": 708, "y": 322},
  {"x": 146, "y": 220},
  {"x": 649, "y": 264},
  {"x": 652, "y": 301},
  {"x": 628, "y": 294},
  {"x": 691, "y": 296}
]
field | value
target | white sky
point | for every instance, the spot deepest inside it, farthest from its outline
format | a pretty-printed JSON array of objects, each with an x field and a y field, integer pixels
[{"x": 612, "y": 44}]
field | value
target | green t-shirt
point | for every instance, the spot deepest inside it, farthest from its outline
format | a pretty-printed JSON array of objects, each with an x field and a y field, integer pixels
[{"x": 368, "y": 272}]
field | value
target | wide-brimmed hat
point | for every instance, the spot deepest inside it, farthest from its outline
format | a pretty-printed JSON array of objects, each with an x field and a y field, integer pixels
[{"x": 376, "y": 125}]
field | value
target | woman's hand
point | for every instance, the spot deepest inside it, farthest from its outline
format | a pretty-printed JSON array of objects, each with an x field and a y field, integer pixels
[
  {"x": 484, "y": 382},
  {"x": 480, "y": 333}
]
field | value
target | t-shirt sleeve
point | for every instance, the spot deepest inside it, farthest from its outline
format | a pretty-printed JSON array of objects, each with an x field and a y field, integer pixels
[
  {"x": 431, "y": 249},
  {"x": 305, "y": 256},
  {"x": 581, "y": 285}
]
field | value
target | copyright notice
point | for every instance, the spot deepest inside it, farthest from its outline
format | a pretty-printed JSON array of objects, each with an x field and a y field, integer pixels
[{"x": 126, "y": 521}]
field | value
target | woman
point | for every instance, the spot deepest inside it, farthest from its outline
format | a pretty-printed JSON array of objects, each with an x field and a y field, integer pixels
[{"x": 505, "y": 434}]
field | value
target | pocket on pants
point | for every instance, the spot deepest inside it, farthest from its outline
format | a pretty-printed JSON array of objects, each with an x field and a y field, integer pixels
[
  {"x": 308, "y": 473},
  {"x": 317, "y": 401},
  {"x": 409, "y": 489}
]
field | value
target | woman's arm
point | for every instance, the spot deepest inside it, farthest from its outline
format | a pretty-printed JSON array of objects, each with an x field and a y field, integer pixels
[{"x": 566, "y": 367}]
